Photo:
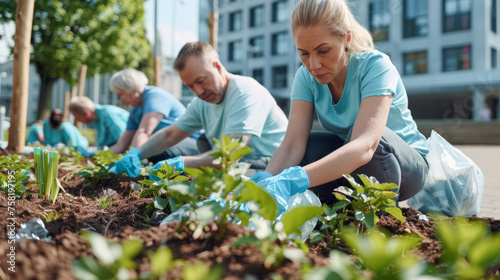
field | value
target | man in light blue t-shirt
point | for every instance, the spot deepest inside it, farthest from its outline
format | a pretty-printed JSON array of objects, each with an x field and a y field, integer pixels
[
  {"x": 56, "y": 131},
  {"x": 109, "y": 121},
  {"x": 225, "y": 104}
]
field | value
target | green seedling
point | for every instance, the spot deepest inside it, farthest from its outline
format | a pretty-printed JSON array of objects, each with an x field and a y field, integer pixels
[
  {"x": 469, "y": 248},
  {"x": 15, "y": 162},
  {"x": 368, "y": 200},
  {"x": 15, "y": 181},
  {"x": 50, "y": 216},
  {"x": 93, "y": 173},
  {"x": 46, "y": 164}
]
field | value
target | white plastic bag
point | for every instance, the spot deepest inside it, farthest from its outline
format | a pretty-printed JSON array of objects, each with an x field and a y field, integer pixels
[{"x": 455, "y": 183}]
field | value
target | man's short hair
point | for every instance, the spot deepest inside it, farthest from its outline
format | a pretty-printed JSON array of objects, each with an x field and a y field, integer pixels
[
  {"x": 194, "y": 48},
  {"x": 81, "y": 105}
]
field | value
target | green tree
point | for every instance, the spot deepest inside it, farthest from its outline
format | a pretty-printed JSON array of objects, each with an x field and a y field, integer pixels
[{"x": 106, "y": 35}]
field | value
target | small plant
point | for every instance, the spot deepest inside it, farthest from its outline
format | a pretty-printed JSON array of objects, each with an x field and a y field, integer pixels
[
  {"x": 368, "y": 200},
  {"x": 93, "y": 173},
  {"x": 469, "y": 249},
  {"x": 14, "y": 162},
  {"x": 46, "y": 164},
  {"x": 16, "y": 181},
  {"x": 50, "y": 216}
]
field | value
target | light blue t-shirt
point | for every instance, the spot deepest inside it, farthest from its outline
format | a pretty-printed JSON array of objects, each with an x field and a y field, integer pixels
[
  {"x": 156, "y": 99},
  {"x": 247, "y": 108},
  {"x": 67, "y": 134},
  {"x": 33, "y": 133},
  {"x": 369, "y": 74},
  {"x": 111, "y": 124}
]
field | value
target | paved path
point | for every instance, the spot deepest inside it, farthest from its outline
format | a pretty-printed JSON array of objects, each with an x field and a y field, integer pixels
[{"x": 488, "y": 160}]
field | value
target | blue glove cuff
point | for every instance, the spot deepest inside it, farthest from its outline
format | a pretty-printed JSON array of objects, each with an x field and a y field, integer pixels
[
  {"x": 299, "y": 176},
  {"x": 261, "y": 175},
  {"x": 178, "y": 162},
  {"x": 134, "y": 152}
]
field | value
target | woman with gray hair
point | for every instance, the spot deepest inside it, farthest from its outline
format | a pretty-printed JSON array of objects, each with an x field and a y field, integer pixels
[
  {"x": 361, "y": 102},
  {"x": 152, "y": 108}
]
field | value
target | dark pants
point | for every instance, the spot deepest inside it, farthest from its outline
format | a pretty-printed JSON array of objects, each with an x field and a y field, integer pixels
[
  {"x": 186, "y": 147},
  {"x": 394, "y": 161}
]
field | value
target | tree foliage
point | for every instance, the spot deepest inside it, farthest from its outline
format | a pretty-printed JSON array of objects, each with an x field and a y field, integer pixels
[{"x": 105, "y": 35}]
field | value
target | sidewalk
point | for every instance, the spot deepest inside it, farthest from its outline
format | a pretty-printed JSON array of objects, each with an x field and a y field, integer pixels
[{"x": 488, "y": 160}]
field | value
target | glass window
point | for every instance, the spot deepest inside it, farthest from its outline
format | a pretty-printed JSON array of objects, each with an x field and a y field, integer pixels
[
  {"x": 280, "y": 76},
  {"x": 457, "y": 58},
  {"x": 235, "y": 19},
  {"x": 221, "y": 25},
  {"x": 415, "y": 63},
  {"x": 494, "y": 13},
  {"x": 456, "y": 15},
  {"x": 279, "y": 43},
  {"x": 256, "y": 46},
  {"x": 415, "y": 18},
  {"x": 380, "y": 18},
  {"x": 235, "y": 51},
  {"x": 257, "y": 16},
  {"x": 258, "y": 75},
  {"x": 280, "y": 11},
  {"x": 494, "y": 58}
]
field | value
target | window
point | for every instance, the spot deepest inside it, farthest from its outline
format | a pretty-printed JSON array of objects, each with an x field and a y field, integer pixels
[
  {"x": 493, "y": 20},
  {"x": 380, "y": 18},
  {"x": 235, "y": 19},
  {"x": 456, "y": 15},
  {"x": 279, "y": 43},
  {"x": 258, "y": 75},
  {"x": 256, "y": 46},
  {"x": 415, "y": 18},
  {"x": 457, "y": 58},
  {"x": 494, "y": 58},
  {"x": 235, "y": 52},
  {"x": 257, "y": 16},
  {"x": 415, "y": 63},
  {"x": 279, "y": 76},
  {"x": 280, "y": 11},
  {"x": 221, "y": 25}
]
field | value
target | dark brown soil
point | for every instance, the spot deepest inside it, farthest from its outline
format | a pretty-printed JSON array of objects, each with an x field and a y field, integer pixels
[{"x": 126, "y": 219}]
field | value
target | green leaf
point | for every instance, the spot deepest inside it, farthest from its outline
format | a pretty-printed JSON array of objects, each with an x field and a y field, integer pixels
[
  {"x": 268, "y": 208},
  {"x": 88, "y": 269},
  {"x": 147, "y": 182},
  {"x": 162, "y": 261},
  {"x": 208, "y": 212},
  {"x": 295, "y": 218},
  {"x": 195, "y": 172},
  {"x": 130, "y": 250},
  {"x": 106, "y": 252},
  {"x": 231, "y": 183},
  {"x": 396, "y": 212},
  {"x": 486, "y": 251},
  {"x": 241, "y": 152},
  {"x": 246, "y": 240},
  {"x": 160, "y": 203},
  {"x": 315, "y": 236}
]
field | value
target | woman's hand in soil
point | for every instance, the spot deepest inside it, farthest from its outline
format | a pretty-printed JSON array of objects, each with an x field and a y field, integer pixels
[
  {"x": 130, "y": 163},
  {"x": 291, "y": 181},
  {"x": 177, "y": 161}
]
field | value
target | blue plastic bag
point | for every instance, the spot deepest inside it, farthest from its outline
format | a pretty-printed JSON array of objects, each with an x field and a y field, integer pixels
[{"x": 455, "y": 183}]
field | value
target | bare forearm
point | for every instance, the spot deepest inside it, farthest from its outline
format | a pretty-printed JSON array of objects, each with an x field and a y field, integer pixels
[
  {"x": 283, "y": 158},
  {"x": 204, "y": 159}
]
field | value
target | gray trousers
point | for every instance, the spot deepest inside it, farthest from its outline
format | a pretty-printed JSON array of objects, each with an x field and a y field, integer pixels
[
  {"x": 186, "y": 147},
  {"x": 394, "y": 161}
]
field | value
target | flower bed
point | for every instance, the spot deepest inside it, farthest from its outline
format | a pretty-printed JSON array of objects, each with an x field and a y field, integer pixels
[{"x": 114, "y": 209}]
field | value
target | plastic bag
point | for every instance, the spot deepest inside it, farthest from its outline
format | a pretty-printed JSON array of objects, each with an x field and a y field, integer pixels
[
  {"x": 455, "y": 183},
  {"x": 306, "y": 198}
]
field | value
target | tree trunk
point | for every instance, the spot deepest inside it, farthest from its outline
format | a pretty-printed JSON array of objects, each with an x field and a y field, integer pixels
[{"x": 45, "y": 96}]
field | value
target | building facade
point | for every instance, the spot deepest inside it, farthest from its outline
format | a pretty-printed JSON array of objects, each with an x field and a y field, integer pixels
[{"x": 447, "y": 51}]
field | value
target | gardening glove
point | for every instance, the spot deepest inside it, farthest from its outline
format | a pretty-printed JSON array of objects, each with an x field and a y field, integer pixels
[
  {"x": 84, "y": 152},
  {"x": 261, "y": 175},
  {"x": 177, "y": 161},
  {"x": 289, "y": 182},
  {"x": 129, "y": 163}
]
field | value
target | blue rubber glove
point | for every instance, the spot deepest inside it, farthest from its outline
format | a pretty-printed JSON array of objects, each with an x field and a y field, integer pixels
[
  {"x": 261, "y": 175},
  {"x": 84, "y": 152},
  {"x": 177, "y": 161},
  {"x": 129, "y": 163},
  {"x": 291, "y": 181}
]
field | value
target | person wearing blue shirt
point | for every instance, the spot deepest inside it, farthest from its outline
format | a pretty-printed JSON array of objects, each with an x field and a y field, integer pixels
[
  {"x": 224, "y": 104},
  {"x": 109, "y": 121},
  {"x": 358, "y": 97},
  {"x": 151, "y": 109},
  {"x": 35, "y": 134},
  {"x": 56, "y": 131}
]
